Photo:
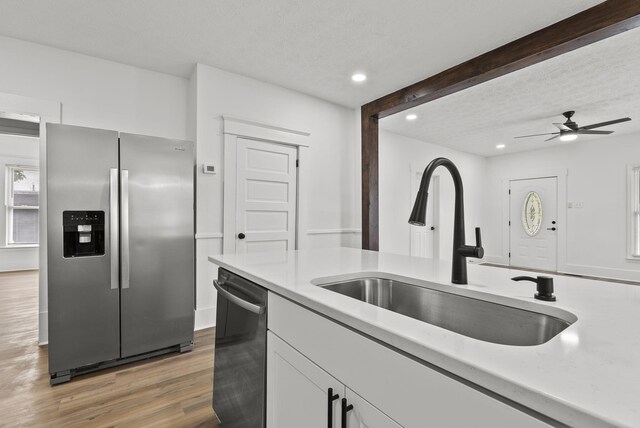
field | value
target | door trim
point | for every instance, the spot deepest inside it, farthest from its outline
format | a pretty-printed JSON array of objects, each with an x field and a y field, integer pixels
[
  {"x": 561, "y": 177},
  {"x": 234, "y": 128}
]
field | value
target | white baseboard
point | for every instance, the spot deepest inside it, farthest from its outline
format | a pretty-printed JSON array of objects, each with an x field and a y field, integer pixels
[
  {"x": 601, "y": 271},
  {"x": 205, "y": 318},
  {"x": 576, "y": 269}
]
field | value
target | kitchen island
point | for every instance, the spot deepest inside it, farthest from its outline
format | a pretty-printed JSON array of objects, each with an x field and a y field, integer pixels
[{"x": 585, "y": 376}]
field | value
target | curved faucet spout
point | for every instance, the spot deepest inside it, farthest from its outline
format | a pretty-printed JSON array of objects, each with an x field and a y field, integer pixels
[{"x": 418, "y": 218}]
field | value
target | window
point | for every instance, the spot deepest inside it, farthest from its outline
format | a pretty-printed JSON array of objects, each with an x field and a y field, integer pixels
[
  {"x": 634, "y": 204},
  {"x": 23, "y": 194}
]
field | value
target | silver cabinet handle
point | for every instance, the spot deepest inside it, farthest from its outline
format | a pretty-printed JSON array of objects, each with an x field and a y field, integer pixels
[
  {"x": 113, "y": 226},
  {"x": 124, "y": 224},
  {"x": 256, "y": 309}
]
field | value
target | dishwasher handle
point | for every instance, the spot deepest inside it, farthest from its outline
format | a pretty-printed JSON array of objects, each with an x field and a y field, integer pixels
[{"x": 256, "y": 309}]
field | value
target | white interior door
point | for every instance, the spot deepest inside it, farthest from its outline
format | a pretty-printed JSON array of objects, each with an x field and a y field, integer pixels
[
  {"x": 424, "y": 239},
  {"x": 266, "y": 197},
  {"x": 533, "y": 237}
]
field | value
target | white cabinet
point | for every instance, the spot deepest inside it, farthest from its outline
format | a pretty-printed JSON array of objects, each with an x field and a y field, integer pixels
[
  {"x": 364, "y": 414},
  {"x": 298, "y": 390},
  {"x": 298, "y": 394},
  {"x": 309, "y": 353}
]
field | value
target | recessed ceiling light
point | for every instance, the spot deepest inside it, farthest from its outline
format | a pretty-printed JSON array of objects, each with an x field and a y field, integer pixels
[
  {"x": 568, "y": 136},
  {"x": 412, "y": 116},
  {"x": 359, "y": 77},
  {"x": 500, "y": 146}
]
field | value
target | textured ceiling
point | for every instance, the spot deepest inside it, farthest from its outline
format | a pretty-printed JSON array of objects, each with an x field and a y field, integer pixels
[
  {"x": 312, "y": 46},
  {"x": 600, "y": 82}
]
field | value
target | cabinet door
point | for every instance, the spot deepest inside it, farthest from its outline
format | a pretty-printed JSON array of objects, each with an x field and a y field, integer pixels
[
  {"x": 297, "y": 389},
  {"x": 365, "y": 415}
]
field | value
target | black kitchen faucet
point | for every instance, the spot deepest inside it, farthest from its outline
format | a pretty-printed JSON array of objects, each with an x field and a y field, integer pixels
[{"x": 460, "y": 250}]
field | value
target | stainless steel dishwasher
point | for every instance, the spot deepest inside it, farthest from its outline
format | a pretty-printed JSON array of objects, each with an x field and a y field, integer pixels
[{"x": 239, "y": 375}]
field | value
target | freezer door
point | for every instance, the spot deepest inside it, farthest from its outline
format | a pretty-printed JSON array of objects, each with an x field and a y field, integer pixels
[
  {"x": 157, "y": 243},
  {"x": 82, "y": 290}
]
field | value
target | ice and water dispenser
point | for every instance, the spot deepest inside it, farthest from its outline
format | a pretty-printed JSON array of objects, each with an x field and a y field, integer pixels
[{"x": 83, "y": 233}]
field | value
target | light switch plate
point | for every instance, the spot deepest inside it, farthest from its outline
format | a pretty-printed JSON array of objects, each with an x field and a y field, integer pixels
[{"x": 208, "y": 168}]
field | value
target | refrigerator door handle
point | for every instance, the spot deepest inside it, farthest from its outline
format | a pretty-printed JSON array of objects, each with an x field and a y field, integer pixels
[
  {"x": 114, "y": 228},
  {"x": 124, "y": 224}
]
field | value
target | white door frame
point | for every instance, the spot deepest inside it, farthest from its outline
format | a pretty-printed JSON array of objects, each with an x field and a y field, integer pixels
[
  {"x": 234, "y": 128},
  {"x": 49, "y": 112},
  {"x": 561, "y": 176},
  {"x": 435, "y": 199}
]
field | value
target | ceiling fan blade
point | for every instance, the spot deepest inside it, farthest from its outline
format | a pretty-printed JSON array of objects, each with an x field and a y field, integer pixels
[
  {"x": 601, "y": 124},
  {"x": 588, "y": 132},
  {"x": 537, "y": 135},
  {"x": 562, "y": 127},
  {"x": 552, "y": 138}
]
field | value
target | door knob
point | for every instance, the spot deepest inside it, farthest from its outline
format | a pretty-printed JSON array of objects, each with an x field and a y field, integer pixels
[
  {"x": 241, "y": 235},
  {"x": 551, "y": 228},
  {"x": 433, "y": 228}
]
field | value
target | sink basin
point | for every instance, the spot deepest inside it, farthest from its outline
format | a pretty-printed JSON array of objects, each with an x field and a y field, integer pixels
[{"x": 506, "y": 322}]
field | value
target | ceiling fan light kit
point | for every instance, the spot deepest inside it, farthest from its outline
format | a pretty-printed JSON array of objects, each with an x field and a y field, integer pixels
[
  {"x": 569, "y": 136},
  {"x": 569, "y": 130}
]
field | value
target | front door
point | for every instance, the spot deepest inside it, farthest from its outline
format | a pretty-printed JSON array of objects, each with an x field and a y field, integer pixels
[
  {"x": 533, "y": 237},
  {"x": 266, "y": 197}
]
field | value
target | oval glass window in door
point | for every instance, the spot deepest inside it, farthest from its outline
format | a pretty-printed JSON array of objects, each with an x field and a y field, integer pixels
[{"x": 532, "y": 214}]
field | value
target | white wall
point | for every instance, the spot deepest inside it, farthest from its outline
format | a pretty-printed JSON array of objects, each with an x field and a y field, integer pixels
[
  {"x": 397, "y": 155},
  {"x": 94, "y": 93},
  {"x": 15, "y": 150},
  {"x": 332, "y": 171},
  {"x": 596, "y": 176},
  {"x": 103, "y": 94}
]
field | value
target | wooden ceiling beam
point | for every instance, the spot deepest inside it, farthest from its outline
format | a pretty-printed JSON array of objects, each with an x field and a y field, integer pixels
[{"x": 597, "y": 23}]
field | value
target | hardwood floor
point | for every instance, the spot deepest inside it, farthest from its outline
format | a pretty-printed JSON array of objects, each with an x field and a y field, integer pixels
[{"x": 169, "y": 391}]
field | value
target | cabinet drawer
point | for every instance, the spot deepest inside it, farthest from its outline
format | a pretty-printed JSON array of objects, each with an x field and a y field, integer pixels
[{"x": 407, "y": 391}]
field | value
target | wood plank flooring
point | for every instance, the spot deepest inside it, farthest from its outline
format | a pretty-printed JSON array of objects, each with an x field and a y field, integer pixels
[{"x": 169, "y": 391}]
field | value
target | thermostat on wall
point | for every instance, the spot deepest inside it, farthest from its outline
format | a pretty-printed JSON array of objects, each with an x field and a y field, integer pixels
[{"x": 208, "y": 168}]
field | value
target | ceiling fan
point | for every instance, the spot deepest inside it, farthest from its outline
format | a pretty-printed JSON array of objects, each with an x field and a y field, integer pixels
[{"x": 570, "y": 130}]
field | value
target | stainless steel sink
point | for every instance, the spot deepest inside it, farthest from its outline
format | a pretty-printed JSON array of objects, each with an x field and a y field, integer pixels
[{"x": 474, "y": 317}]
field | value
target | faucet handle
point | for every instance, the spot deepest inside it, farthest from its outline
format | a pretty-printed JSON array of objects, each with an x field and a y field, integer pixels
[
  {"x": 478, "y": 238},
  {"x": 478, "y": 250},
  {"x": 473, "y": 251}
]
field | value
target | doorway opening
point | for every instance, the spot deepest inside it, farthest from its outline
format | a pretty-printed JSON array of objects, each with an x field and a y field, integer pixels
[
  {"x": 23, "y": 235},
  {"x": 19, "y": 230}
]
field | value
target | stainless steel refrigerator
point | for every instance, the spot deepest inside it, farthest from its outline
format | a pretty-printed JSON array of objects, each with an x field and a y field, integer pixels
[{"x": 120, "y": 251}]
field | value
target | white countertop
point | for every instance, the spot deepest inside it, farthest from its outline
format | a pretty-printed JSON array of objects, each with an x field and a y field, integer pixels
[{"x": 588, "y": 375}]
